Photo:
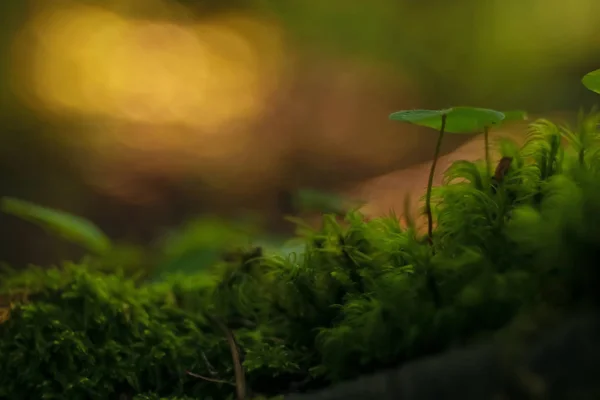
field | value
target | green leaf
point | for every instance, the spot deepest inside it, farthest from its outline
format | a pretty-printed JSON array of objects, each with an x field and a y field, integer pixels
[
  {"x": 418, "y": 117},
  {"x": 428, "y": 118},
  {"x": 592, "y": 81},
  {"x": 204, "y": 233},
  {"x": 310, "y": 200},
  {"x": 458, "y": 119},
  {"x": 472, "y": 120},
  {"x": 515, "y": 115},
  {"x": 70, "y": 227},
  {"x": 198, "y": 245}
]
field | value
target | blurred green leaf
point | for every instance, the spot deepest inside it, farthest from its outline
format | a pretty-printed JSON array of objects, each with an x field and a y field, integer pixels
[
  {"x": 311, "y": 200},
  {"x": 203, "y": 233},
  {"x": 199, "y": 244},
  {"x": 514, "y": 115},
  {"x": 428, "y": 118},
  {"x": 125, "y": 257},
  {"x": 189, "y": 263},
  {"x": 592, "y": 81},
  {"x": 70, "y": 227},
  {"x": 282, "y": 246},
  {"x": 458, "y": 119}
]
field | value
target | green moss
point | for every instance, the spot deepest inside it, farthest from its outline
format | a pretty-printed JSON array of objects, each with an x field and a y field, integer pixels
[{"x": 360, "y": 298}]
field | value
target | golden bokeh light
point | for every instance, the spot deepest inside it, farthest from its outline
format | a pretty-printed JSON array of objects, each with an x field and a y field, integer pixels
[
  {"x": 92, "y": 61},
  {"x": 168, "y": 97}
]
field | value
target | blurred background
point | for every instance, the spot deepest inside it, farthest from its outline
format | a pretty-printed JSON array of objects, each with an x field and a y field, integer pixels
[{"x": 138, "y": 114}]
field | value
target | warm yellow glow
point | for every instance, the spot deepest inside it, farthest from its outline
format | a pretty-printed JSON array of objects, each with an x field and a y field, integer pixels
[
  {"x": 165, "y": 97},
  {"x": 88, "y": 60}
]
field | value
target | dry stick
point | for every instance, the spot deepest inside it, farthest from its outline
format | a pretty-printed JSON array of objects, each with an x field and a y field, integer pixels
[
  {"x": 240, "y": 379},
  {"x": 211, "y": 369},
  {"x": 206, "y": 378},
  {"x": 502, "y": 168}
]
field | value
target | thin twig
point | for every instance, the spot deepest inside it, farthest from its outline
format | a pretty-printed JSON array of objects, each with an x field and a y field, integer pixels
[
  {"x": 430, "y": 183},
  {"x": 488, "y": 162},
  {"x": 211, "y": 369},
  {"x": 240, "y": 379},
  {"x": 206, "y": 378},
  {"x": 431, "y": 281}
]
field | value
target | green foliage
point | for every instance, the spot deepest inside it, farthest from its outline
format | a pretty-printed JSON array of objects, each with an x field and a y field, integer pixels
[
  {"x": 322, "y": 202},
  {"x": 453, "y": 120},
  {"x": 85, "y": 336},
  {"x": 592, "y": 81},
  {"x": 197, "y": 245},
  {"x": 363, "y": 295},
  {"x": 188, "y": 249},
  {"x": 458, "y": 119},
  {"x": 514, "y": 115},
  {"x": 153, "y": 396},
  {"x": 70, "y": 227}
]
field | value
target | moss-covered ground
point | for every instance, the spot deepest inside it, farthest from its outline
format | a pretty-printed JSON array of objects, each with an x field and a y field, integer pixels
[{"x": 364, "y": 295}]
